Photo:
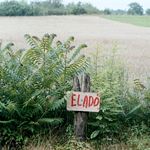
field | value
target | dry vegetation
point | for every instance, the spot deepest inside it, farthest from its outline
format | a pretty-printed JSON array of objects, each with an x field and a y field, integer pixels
[{"x": 91, "y": 30}]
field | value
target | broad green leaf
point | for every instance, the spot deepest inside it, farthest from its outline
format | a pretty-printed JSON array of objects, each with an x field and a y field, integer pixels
[
  {"x": 99, "y": 117},
  {"x": 95, "y": 134}
]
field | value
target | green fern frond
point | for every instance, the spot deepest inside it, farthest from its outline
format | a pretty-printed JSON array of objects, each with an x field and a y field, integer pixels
[
  {"x": 77, "y": 52},
  {"x": 12, "y": 74},
  {"x": 76, "y": 64},
  {"x": 57, "y": 104},
  {"x": 69, "y": 40},
  {"x": 58, "y": 43},
  {"x": 36, "y": 38},
  {"x": 12, "y": 107},
  {"x": 51, "y": 121},
  {"x": 52, "y": 36},
  {"x": 34, "y": 123},
  {"x": 8, "y": 47},
  {"x": 2, "y": 106},
  {"x": 46, "y": 35},
  {"x": 71, "y": 48},
  {"x": 9, "y": 121},
  {"x": 32, "y": 41},
  {"x": 32, "y": 97},
  {"x": 22, "y": 123},
  {"x": 19, "y": 53}
]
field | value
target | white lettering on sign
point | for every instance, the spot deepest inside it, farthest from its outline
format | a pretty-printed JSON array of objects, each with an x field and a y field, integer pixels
[{"x": 83, "y": 101}]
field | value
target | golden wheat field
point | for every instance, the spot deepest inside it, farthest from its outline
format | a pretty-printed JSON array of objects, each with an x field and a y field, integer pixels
[{"x": 90, "y": 30}]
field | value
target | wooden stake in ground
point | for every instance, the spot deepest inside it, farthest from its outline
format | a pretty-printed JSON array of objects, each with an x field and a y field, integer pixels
[{"x": 80, "y": 118}]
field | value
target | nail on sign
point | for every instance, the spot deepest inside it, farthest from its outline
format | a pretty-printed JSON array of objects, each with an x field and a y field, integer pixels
[{"x": 83, "y": 101}]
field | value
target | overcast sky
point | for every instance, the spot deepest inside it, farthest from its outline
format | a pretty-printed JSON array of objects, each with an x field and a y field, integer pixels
[{"x": 112, "y": 4}]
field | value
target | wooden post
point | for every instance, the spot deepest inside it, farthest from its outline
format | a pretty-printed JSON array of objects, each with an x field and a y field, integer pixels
[{"x": 80, "y": 118}]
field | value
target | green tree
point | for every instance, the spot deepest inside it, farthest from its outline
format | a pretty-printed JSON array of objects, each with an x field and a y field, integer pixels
[
  {"x": 107, "y": 11},
  {"x": 78, "y": 9},
  {"x": 148, "y": 11},
  {"x": 57, "y": 3},
  {"x": 90, "y": 9},
  {"x": 135, "y": 9},
  {"x": 14, "y": 8},
  {"x": 37, "y": 9},
  {"x": 120, "y": 12},
  {"x": 81, "y": 8}
]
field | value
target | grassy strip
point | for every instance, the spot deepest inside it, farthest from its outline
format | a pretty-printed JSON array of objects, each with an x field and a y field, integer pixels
[
  {"x": 134, "y": 143},
  {"x": 143, "y": 21}
]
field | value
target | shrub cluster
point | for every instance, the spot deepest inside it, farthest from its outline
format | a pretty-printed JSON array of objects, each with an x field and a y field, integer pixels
[
  {"x": 122, "y": 105},
  {"x": 33, "y": 87}
]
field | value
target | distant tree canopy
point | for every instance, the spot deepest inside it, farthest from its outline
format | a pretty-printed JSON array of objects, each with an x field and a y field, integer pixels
[
  {"x": 120, "y": 12},
  {"x": 14, "y": 8},
  {"x": 135, "y": 9},
  {"x": 148, "y": 11},
  {"x": 107, "y": 11},
  {"x": 56, "y": 7},
  {"x": 47, "y": 7}
]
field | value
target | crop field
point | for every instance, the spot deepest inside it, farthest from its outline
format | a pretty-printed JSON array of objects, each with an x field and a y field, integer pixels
[{"x": 90, "y": 30}]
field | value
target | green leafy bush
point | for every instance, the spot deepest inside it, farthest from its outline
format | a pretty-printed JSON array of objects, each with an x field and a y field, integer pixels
[
  {"x": 33, "y": 86},
  {"x": 140, "y": 103},
  {"x": 122, "y": 106},
  {"x": 78, "y": 10},
  {"x": 108, "y": 78}
]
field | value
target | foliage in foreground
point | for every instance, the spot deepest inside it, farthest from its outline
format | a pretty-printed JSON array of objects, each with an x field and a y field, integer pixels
[
  {"x": 33, "y": 86},
  {"x": 108, "y": 78},
  {"x": 121, "y": 107},
  {"x": 135, "y": 136}
]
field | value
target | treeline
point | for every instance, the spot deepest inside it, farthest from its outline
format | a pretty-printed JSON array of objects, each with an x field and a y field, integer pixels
[
  {"x": 134, "y": 9},
  {"x": 47, "y": 7},
  {"x": 56, "y": 7}
]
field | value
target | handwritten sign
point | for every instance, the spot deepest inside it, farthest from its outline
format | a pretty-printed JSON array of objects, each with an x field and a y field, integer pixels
[{"x": 83, "y": 101}]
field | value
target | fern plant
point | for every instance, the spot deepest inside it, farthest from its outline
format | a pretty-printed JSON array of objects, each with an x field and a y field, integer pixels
[
  {"x": 33, "y": 86},
  {"x": 108, "y": 78},
  {"x": 139, "y": 109}
]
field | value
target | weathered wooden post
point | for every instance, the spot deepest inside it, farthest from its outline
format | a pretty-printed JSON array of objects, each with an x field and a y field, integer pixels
[
  {"x": 82, "y": 101},
  {"x": 80, "y": 118}
]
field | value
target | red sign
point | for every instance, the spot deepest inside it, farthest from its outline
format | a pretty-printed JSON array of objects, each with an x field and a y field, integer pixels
[{"x": 83, "y": 101}]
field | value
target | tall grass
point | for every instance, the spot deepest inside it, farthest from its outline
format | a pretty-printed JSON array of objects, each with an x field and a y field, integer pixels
[{"x": 143, "y": 21}]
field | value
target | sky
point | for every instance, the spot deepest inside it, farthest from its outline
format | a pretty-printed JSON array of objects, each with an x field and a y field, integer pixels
[{"x": 112, "y": 4}]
